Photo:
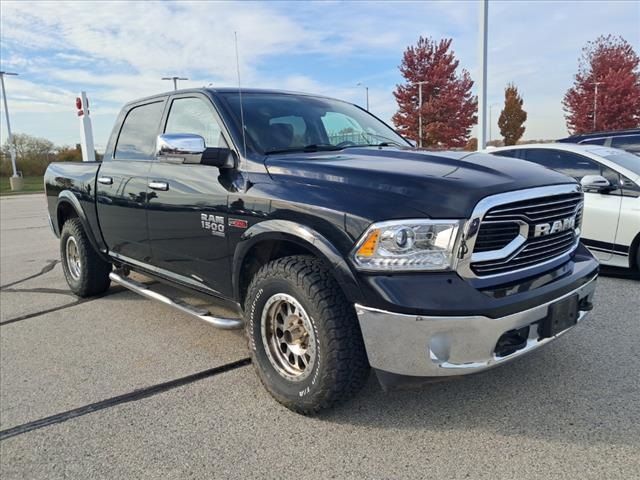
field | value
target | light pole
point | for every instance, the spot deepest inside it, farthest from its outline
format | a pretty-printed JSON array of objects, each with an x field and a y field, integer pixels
[
  {"x": 15, "y": 182},
  {"x": 482, "y": 80},
  {"x": 420, "y": 113},
  {"x": 360, "y": 84},
  {"x": 175, "y": 81},
  {"x": 595, "y": 103},
  {"x": 491, "y": 118}
]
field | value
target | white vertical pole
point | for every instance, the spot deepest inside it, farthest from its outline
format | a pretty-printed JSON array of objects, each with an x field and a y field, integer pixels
[
  {"x": 86, "y": 132},
  {"x": 12, "y": 147},
  {"x": 482, "y": 82}
]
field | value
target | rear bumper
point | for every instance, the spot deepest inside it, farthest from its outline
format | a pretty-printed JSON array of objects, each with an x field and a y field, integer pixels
[{"x": 435, "y": 346}]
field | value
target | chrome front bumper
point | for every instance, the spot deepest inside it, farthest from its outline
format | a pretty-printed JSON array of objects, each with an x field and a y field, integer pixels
[{"x": 426, "y": 346}]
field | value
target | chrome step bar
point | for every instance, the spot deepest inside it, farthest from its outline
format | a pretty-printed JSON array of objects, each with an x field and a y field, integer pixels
[{"x": 202, "y": 314}]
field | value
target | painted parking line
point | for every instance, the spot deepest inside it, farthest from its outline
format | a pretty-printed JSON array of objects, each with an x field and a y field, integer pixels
[{"x": 120, "y": 399}]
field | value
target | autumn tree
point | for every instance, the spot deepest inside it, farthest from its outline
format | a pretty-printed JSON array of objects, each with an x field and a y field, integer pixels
[
  {"x": 69, "y": 154},
  {"x": 33, "y": 154},
  {"x": 448, "y": 109},
  {"x": 512, "y": 117},
  {"x": 471, "y": 145},
  {"x": 610, "y": 64}
]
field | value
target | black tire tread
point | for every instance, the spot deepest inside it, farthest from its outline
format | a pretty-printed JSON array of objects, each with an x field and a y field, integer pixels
[
  {"x": 346, "y": 355},
  {"x": 95, "y": 278}
]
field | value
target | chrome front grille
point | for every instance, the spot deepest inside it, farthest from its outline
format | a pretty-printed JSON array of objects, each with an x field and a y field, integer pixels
[
  {"x": 521, "y": 234},
  {"x": 495, "y": 235},
  {"x": 537, "y": 210},
  {"x": 535, "y": 251}
]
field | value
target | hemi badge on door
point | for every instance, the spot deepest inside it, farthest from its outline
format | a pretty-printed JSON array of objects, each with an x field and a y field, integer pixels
[{"x": 236, "y": 222}]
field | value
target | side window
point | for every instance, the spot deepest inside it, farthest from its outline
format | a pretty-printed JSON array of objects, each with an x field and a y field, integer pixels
[
  {"x": 595, "y": 141},
  {"x": 507, "y": 153},
  {"x": 570, "y": 164},
  {"x": 137, "y": 140},
  {"x": 629, "y": 187},
  {"x": 630, "y": 143},
  {"x": 193, "y": 115},
  {"x": 613, "y": 177},
  {"x": 576, "y": 166}
]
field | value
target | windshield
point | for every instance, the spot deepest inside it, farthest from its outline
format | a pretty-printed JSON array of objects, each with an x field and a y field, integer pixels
[
  {"x": 624, "y": 159},
  {"x": 277, "y": 122}
]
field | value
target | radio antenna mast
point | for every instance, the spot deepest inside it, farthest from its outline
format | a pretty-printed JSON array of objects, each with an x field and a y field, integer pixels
[{"x": 244, "y": 140}]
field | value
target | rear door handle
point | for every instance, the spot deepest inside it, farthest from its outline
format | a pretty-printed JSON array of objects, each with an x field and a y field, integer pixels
[
  {"x": 164, "y": 186},
  {"x": 105, "y": 180}
]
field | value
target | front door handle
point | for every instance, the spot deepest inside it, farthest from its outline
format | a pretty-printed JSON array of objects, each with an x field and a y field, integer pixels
[
  {"x": 105, "y": 180},
  {"x": 154, "y": 185}
]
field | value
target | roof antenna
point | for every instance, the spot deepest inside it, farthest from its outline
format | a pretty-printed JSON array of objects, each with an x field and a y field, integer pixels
[{"x": 244, "y": 140}]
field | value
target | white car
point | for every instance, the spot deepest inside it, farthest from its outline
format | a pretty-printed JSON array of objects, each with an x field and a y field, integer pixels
[{"x": 610, "y": 178}]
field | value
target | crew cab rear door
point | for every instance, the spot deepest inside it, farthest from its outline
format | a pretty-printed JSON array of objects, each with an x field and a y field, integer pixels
[
  {"x": 187, "y": 209},
  {"x": 122, "y": 189}
]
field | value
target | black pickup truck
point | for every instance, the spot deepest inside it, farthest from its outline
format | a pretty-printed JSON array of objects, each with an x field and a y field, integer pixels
[{"x": 339, "y": 245}]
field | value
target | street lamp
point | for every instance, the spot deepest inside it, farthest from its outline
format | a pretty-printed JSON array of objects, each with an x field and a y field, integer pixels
[
  {"x": 491, "y": 118},
  {"x": 15, "y": 180},
  {"x": 595, "y": 103},
  {"x": 175, "y": 81},
  {"x": 360, "y": 84},
  {"x": 482, "y": 79},
  {"x": 420, "y": 113}
]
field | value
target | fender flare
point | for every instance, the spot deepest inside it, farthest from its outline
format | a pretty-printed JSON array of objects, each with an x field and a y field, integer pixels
[
  {"x": 304, "y": 236},
  {"x": 67, "y": 197}
]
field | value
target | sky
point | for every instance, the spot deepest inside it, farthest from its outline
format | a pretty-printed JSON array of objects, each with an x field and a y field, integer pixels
[{"x": 118, "y": 51}]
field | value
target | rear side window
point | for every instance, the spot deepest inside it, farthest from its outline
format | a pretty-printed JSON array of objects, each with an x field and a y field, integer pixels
[
  {"x": 595, "y": 141},
  {"x": 507, "y": 153},
  {"x": 137, "y": 140},
  {"x": 570, "y": 164}
]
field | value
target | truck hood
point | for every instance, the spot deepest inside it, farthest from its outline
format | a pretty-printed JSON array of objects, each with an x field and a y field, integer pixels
[{"x": 440, "y": 185}]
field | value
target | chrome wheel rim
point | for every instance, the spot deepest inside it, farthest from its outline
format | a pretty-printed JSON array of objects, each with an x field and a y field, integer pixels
[
  {"x": 288, "y": 337},
  {"x": 74, "y": 263}
]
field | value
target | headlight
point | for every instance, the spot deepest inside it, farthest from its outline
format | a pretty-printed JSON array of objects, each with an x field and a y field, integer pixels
[{"x": 407, "y": 245}]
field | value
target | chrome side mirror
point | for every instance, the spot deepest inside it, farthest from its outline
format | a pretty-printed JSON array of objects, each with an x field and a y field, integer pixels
[
  {"x": 597, "y": 183},
  {"x": 180, "y": 147}
]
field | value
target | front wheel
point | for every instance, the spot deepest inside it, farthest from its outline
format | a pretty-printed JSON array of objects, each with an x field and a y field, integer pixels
[
  {"x": 87, "y": 274},
  {"x": 303, "y": 335}
]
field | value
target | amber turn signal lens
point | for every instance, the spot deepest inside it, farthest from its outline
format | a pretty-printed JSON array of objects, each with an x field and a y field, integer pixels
[{"x": 368, "y": 248}]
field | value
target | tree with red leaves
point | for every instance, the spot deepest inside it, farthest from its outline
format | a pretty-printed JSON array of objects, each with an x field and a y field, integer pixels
[
  {"x": 448, "y": 108},
  {"x": 610, "y": 64}
]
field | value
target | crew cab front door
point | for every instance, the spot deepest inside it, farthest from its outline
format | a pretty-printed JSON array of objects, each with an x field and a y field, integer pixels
[
  {"x": 122, "y": 189},
  {"x": 187, "y": 209}
]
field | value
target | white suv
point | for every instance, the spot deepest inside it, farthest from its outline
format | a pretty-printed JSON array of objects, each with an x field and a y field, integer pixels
[{"x": 610, "y": 179}]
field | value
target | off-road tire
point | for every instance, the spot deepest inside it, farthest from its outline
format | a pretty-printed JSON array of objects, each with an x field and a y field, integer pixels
[
  {"x": 92, "y": 276},
  {"x": 341, "y": 367}
]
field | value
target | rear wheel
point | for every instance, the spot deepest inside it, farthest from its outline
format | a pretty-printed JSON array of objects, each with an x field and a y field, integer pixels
[
  {"x": 303, "y": 335},
  {"x": 87, "y": 274}
]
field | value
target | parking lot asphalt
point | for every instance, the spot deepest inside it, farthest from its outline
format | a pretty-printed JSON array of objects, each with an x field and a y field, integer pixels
[{"x": 121, "y": 387}]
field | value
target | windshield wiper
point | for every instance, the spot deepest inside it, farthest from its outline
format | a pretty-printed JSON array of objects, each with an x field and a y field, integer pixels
[
  {"x": 314, "y": 147},
  {"x": 381, "y": 144}
]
